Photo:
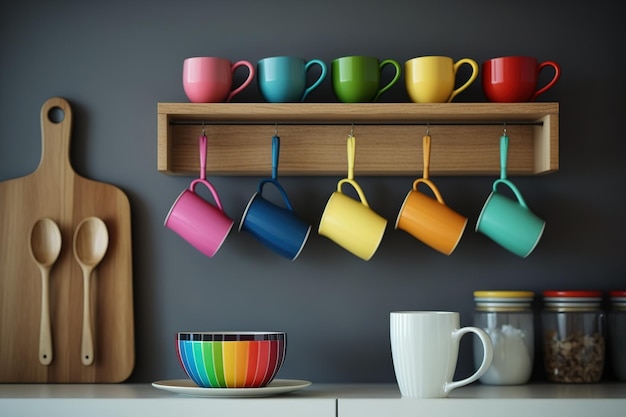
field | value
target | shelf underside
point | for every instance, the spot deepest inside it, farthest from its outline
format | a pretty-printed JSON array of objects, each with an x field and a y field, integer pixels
[{"x": 464, "y": 138}]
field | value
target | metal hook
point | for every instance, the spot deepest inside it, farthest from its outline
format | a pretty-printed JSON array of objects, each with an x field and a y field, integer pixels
[
  {"x": 203, "y": 128},
  {"x": 275, "y": 128},
  {"x": 427, "y": 129},
  {"x": 504, "y": 129},
  {"x": 352, "y": 130}
]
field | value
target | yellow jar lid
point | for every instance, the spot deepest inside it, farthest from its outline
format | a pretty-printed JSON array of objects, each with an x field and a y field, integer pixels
[{"x": 504, "y": 294}]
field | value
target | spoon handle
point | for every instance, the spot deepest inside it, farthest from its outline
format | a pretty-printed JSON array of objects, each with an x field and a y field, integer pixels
[
  {"x": 45, "y": 335},
  {"x": 86, "y": 348}
]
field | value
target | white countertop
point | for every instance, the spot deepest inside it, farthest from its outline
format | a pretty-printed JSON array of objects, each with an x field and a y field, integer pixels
[
  {"x": 616, "y": 390},
  {"x": 319, "y": 400}
]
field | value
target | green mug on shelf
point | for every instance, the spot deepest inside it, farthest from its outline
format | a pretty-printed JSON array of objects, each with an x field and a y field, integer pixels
[{"x": 357, "y": 79}]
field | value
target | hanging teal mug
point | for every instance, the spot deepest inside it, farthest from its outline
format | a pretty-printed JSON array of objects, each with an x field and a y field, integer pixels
[
  {"x": 510, "y": 223},
  {"x": 507, "y": 222}
]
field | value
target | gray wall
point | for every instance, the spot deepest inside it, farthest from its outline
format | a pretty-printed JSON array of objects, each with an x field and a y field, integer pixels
[{"x": 114, "y": 60}]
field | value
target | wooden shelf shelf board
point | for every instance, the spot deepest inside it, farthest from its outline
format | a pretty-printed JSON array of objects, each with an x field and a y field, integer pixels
[{"x": 465, "y": 138}]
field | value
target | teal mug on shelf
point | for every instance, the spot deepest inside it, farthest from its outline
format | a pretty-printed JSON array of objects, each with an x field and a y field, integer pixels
[{"x": 283, "y": 79}]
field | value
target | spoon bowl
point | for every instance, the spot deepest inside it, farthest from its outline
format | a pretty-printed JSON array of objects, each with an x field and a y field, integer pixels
[
  {"x": 91, "y": 241},
  {"x": 45, "y": 247}
]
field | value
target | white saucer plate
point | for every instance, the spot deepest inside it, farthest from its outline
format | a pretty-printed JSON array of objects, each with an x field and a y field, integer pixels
[{"x": 188, "y": 387}]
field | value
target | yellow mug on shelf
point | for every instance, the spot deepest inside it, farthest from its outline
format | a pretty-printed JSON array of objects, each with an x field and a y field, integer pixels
[{"x": 431, "y": 79}]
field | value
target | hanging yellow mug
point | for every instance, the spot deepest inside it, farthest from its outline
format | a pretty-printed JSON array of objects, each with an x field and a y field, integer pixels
[{"x": 352, "y": 224}]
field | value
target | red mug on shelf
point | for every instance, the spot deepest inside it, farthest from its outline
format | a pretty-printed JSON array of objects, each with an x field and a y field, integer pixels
[{"x": 513, "y": 79}]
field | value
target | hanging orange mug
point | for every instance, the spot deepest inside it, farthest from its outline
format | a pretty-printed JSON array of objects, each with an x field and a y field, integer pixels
[{"x": 429, "y": 219}]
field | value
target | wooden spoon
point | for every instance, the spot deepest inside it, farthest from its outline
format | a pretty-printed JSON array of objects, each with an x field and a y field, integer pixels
[
  {"x": 91, "y": 240},
  {"x": 45, "y": 247}
]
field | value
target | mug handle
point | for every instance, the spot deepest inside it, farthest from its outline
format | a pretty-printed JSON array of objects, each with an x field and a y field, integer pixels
[
  {"x": 487, "y": 356},
  {"x": 246, "y": 82},
  {"x": 430, "y": 185},
  {"x": 351, "y": 151},
  {"x": 426, "y": 152},
  {"x": 197, "y": 181},
  {"x": 356, "y": 187},
  {"x": 395, "y": 78},
  {"x": 471, "y": 79},
  {"x": 275, "y": 154},
  {"x": 280, "y": 188},
  {"x": 504, "y": 154},
  {"x": 319, "y": 79},
  {"x": 202, "y": 140},
  {"x": 513, "y": 188},
  {"x": 557, "y": 75}
]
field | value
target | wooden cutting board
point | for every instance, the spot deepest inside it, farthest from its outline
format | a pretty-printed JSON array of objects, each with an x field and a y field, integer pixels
[{"x": 54, "y": 190}]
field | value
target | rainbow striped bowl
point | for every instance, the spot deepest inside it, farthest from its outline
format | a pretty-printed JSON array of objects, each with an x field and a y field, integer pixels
[{"x": 231, "y": 359}]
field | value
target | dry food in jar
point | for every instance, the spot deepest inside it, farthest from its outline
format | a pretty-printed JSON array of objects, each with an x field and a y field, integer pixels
[
  {"x": 577, "y": 358},
  {"x": 573, "y": 336}
]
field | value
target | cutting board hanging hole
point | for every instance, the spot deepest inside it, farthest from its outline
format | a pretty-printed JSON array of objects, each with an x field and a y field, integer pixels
[{"x": 56, "y": 115}]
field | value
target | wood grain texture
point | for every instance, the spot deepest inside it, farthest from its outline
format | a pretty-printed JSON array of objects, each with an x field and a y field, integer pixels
[
  {"x": 54, "y": 190},
  {"x": 465, "y": 137}
]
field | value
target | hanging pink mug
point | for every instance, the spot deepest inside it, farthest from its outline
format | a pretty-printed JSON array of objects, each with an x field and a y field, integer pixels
[{"x": 204, "y": 225}]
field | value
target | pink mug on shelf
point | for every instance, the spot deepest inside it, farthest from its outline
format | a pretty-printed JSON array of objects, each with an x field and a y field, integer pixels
[
  {"x": 210, "y": 79},
  {"x": 204, "y": 225}
]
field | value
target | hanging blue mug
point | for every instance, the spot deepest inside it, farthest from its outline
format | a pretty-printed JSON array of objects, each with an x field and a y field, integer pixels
[{"x": 277, "y": 227}]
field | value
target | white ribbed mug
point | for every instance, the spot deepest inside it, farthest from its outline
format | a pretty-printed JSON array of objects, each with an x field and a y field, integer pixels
[{"x": 425, "y": 348}]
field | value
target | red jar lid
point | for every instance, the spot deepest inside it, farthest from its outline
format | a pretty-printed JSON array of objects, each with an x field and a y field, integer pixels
[
  {"x": 572, "y": 294},
  {"x": 617, "y": 293},
  {"x": 574, "y": 300}
]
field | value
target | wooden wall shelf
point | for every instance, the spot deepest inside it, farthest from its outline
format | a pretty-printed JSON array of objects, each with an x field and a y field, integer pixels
[{"x": 465, "y": 138}]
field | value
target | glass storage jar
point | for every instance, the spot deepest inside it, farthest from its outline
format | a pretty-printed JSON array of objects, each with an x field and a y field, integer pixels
[
  {"x": 507, "y": 318},
  {"x": 617, "y": 333},
  {"x": 573, "y": 336}
]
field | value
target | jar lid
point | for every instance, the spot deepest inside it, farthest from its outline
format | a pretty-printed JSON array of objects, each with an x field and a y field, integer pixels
[
  {"x": 618, "y": 297},
  {"x": 572, "y": 294},
  {"x": 503, "y": 299},
  {"x": 573, "y": 298},
  {"x": 504, "y": 294}
]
